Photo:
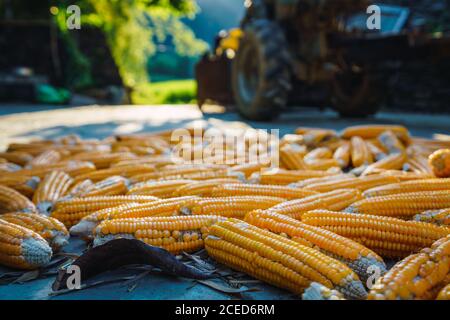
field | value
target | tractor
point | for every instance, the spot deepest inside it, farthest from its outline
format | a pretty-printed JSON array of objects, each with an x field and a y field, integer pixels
[{"x": 287, "y": 51}]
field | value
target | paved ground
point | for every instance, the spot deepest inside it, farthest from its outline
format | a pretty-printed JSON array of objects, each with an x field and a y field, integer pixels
[
  {"x": 20, "y": 123},
  {"x": 102, "y": 121}
]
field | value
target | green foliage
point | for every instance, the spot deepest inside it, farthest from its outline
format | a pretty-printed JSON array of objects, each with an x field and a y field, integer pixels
[
  {"x": 132, "y": 26},
  {"x": 168, "y": 92}
]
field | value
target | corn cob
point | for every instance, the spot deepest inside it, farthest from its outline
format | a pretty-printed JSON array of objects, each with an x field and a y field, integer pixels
[
  {"x": 391, "y": 143},
  {"x": 203, "y": 188},
  {"x": 404, "y": 205},
  {"x": 17, "y": 157},
  {"x": 180, "y": 172},
  {"x": 7, "y": 167},
  {"x": 103, "y": 160},
  {"x": 318, "y": 153},
  {"x": 440, "y": 163},
  {"x": 249, "y": 168},
  {"x": 111, "y": 186},
  {"x": 13, "y": 201},
  {"x": 354, "y": 255},
  {"x": 360, "y": 183},
  {"x": 22, "y": 248},
  {"x": 175, "y": 234},
  {"x": 342, "y": 155},
  {"x": 71, "y": 211},
  {"x": 360, "y": 153},
  {"x": 317, "y": 291},
  {"x": 375, "y": 150},
  {"x": 53, "y": 187},
  {"x": 85, "y": 227},
  {"x": 373, "y": 131},
  {"x": 388, "y": 237},
  {"x": 157, "y": 161},
  {"x": 23, "y": 184},
  {"x": 444, "y": 294},
  {"x": 403, "y": 175},
  {"x": 293, "y": 139},
  {"x": 304, "y": 183},
  {"x": 79, "y": 188},
  {"x": 333, "y": 200},
  {"x": 408, "y": 186},
  {"x": 322, "y": 164},
  {"x": 285, "y": 177},
  {"x": 159, "y": 208},
  {"x": 291, "y": 157},
  {"x": 316, "y": 137},
  {"x": 285, "y": 192},
  {"x": 277, "y": 260},
  {"x": 412, "y": 277},
  {"x": 235, "y": 207},
  {"x": 390, "y": 162},
  {"x": 439, "y": 217},
  {"x": 124, "y": 171},
  {"x": 45, "y": 158},
  {"x": 72, "y": 167},
  {"x": 160, "y": 189},
  {"x": 53, "y": 231}
]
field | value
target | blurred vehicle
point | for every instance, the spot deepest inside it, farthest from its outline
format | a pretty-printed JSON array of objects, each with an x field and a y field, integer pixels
[{"x": 290, "y": 49}]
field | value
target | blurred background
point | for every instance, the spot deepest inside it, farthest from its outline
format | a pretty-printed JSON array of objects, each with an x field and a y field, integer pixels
[{"x": 145, "y": 51}]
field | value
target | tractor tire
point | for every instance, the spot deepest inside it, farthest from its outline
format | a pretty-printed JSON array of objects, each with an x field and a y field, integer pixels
[
  {"x": 357, "y": 94},
  {"x": 260, "y": 74}
]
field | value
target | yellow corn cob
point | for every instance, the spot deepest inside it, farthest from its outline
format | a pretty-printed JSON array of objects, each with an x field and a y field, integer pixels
[
  {"x": 85, "y": 227},
  {"x": 291, "y": 157},
  {"x": 17, "y": 157},
  {"x": 285, "y": 192},
  {"x": 354, "y": 255},
  {"x": 404, "y": 205},
  {"x": 112, "y": 186},
  {"x": 7, "y": 167},
  {"x": 22, "y": 248},
  {"x": 162, "y": 208},
  {"x": 249, "y": 168},
  {"x": 79, "y": 188},
  {"x": 316, "y": 137},
  {"x": 440, "y": 163},
  {"x": 388, "y": 237},
  {"x": 72, "y": 168},
  {"x": 124, "y": 171},
  {"x": 23, "y": 184},
  {"x": 360, "y": 153},
  {"x": 303, "y": 183},
  {"x": 390, "y": 162},
  {"x": 285, "y": 177},
  {"x": 175, "y": 234},
  {"x": 342, "y": 155},
  {"x": 13, "y": 201},
  {"x": 404, "y": 176},
  {"x": 45, "y": 158},
  {"x": 160, "y": 189},
  {"x": 318, "y": 153},
  {"x": 277, "y": 260},
  {"x": 203, "y": 188},
  {"x": 391, "y": 143},
  {"x": 317, "y": 291},
  {"x": 180, "y": 172},
  {"x": 53, "y": 231},
  {"x": 235, "y": 207},
  {"x": 333, "y": 200},
  {"x": 444, "y": 294},
  {"x": 53, "y": 187},
  {"x": 322, "y": 164},
  {"x": 103, "y": 160},
  {"x": 157, "y": 161},
  {"x": 408, "y": 186},
  {"x": 374, "y": 148},
  {"x": 373, "y": 131},
  {"x": 414, "y": 276},
  {"x": 439, "y": 217},
  {"x": 71, "y": 211},
  {"x": 360, "y": 183},
  {"x": 293, "y": 139}
]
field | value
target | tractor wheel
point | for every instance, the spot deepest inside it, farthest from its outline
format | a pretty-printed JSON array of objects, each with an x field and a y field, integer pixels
[
  {"x": 356, "y": 93},
  {"x": 260, "y": 71}
]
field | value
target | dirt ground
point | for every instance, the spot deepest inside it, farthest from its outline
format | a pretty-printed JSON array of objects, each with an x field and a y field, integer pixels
[{"x": 22, "y": 123}]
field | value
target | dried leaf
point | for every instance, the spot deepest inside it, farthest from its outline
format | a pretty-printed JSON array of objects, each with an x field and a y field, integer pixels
[{"x": 225, "y": 287}]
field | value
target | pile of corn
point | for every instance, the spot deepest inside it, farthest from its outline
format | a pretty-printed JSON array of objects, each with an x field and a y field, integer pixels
[{"x": 321, "y": 224}]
